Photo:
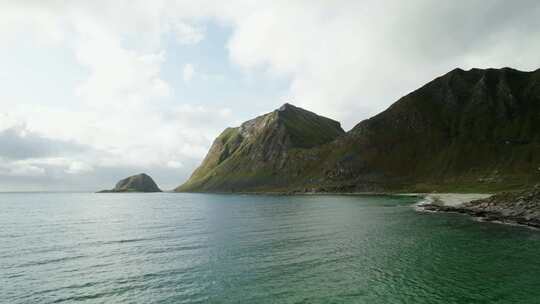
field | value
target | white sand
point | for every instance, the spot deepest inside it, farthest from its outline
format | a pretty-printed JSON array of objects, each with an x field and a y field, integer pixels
[
  {"x": 450, "y": 199},
  {"x": 447, "y": 199}
]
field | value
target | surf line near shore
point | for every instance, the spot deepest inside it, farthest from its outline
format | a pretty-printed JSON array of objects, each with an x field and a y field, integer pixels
[
  {"x": 447, "y": 199},
  {"x": 506, "y": 208}
]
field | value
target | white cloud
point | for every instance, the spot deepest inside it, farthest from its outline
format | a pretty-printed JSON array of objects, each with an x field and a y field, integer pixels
[
  {"x": 187, "y": 72},
  {"x": 8, "y": 122},
  {"x": 21, "y": 169},
  {"x": 118, "y": 74},
  {"x": 174, "y": 164},
  {"x": 351, "y": 59},
  {"x": 344, "y": 59},
  {"x": 26, "y": 170},
  {"x": 77, "y": 167},
  {"x": 188, "y": 34}
]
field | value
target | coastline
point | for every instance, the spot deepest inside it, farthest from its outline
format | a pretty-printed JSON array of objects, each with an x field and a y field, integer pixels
[
  {"x": 500, "y": 208},
  {"x": 449, "y": 199},
  {"x": 512, "y": 208}
]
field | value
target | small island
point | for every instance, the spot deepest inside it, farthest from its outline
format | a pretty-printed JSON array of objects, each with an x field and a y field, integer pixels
[{"x": 136, "y": 183}]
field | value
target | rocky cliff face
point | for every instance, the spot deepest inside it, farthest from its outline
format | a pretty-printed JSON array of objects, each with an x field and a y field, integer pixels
[
  {"x": 254, "y": 154},
  {"x": 136, "y": 183},
  {"x": 466, "y": 130}
]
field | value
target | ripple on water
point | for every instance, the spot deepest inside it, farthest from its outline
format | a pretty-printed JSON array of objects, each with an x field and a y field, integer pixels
[{"x": 186, "y": 248}]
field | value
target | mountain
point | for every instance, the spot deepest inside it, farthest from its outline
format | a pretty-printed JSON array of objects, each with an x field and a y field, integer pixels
[
  {"x": 476, "y": 129},
  {"x": 136, "y": 183},
  {"x": 473, "y": 130},
  {"x": 254, "y": 154}
]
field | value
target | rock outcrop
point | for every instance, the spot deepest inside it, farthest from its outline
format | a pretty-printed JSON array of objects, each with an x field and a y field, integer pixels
[
  {"x": 136, "y": 183},
  {"x": 519, "y": 207}
]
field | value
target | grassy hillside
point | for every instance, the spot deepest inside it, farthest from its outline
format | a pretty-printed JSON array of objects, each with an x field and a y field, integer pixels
[
  {"x": 254, "y": 155},
  {"x": 476, "y": 130}
]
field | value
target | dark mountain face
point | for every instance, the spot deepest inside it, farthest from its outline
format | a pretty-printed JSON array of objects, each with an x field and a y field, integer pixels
[
  {"x": 253, "y": 154},
  {"x": 477, "y": 127},
  {"x": 466, "y": 130},
  {"x": 136, "y": 183}
]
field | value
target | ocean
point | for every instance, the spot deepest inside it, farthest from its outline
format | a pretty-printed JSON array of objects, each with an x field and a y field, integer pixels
[{"x": 210, "y": 248}]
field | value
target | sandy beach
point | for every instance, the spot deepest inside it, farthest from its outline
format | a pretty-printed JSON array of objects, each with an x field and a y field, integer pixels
[{"x": 454, "y": 199}]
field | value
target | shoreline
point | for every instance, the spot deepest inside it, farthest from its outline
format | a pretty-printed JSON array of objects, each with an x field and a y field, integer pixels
[
  {"x": 449, "y": 199},
  {"x": 509, "y": 208}
]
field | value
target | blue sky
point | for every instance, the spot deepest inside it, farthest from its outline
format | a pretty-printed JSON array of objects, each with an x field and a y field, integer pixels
[
  {"x": 93, "y": 91},
  {"x": 217, "y": 81}
]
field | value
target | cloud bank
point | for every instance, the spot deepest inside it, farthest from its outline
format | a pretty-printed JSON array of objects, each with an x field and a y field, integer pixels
[{"x": 88, "y": 100}]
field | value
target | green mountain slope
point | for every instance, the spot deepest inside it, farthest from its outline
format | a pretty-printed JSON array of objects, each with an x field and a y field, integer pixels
[
  {"x": 476, "y": 129},
  {"x": 253, "y": 155},
  {"x": 470, "y": 130}
]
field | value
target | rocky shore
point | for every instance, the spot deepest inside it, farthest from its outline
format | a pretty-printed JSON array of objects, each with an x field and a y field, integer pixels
[{"x": 520, "y": 207}]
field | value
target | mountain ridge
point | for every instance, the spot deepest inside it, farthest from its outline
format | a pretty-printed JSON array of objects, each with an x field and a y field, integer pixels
[{"x": 476, "y": 129}]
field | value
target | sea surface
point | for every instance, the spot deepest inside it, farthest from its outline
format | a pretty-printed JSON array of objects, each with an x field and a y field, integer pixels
[{"x": 203, "y": 248}]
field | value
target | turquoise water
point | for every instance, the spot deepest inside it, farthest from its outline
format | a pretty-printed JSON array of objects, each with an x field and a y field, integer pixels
[{"x": 195, "y": 248}]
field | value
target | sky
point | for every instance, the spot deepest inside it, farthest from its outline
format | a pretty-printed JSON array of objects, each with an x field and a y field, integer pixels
[{"x": 94, "y": 91}]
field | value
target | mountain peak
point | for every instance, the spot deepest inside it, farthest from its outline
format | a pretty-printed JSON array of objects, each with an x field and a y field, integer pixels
[
  {"x": 255, "y": 152},
  {"x": 291, "y": 112},
  {"x": 286, "y": 106}
]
